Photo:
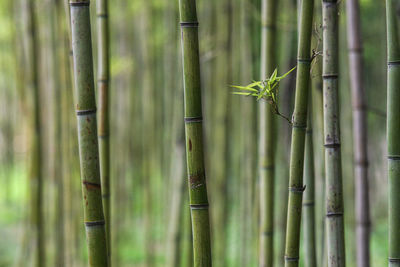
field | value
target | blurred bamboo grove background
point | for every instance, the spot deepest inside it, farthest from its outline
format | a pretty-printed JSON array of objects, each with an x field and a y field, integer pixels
[{"x": 148, "y": 216}]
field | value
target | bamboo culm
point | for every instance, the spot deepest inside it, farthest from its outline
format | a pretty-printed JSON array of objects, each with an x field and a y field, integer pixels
[
  {"x": 267, "y": 140},
  {"x": 310, "y": 258},
  {"x": 87, "y": 134},
  {"x": 393, "y": 128},
  {"x": 299, "y": 124},
  {"x": 194, "y": 138},
  {"x": 359, "y": 133},
  {"x": 334, "y": 190},
  {"x": 36, "y": 167},
  {"x": 103, "y": 82}
]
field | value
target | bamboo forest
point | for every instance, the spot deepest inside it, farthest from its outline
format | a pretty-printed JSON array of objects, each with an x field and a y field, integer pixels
[{"x": 195, "y": 133}]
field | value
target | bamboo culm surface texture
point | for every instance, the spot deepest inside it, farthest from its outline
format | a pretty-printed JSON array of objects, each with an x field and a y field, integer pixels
[
  {"x": 359, "y": 133},
  {"x": 334, "y": 191},
  {"x": 87, "y": 134},
  {"x": 310, "y": 259},
  {"x": 299, "y": 122},
  {"x": 393, "y": 128},
  {"x": 36, "y": 171},
  {"x": 266, "y": 139},
  {"x": 194, "y": 138},
  {"x": 103, "y": 74}
]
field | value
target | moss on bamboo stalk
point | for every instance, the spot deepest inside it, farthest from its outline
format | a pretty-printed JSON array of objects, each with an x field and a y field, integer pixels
[
  {"x": 87, "y": 134},
  {"x": 299, "y": 121},
  {"x": 267, "y": 141},
  {"x": 194, "y": 137},
  {"x": 103, "y": 82},
  {"x": 393, "y": 128},
  {"x": 334, "y": 191}
]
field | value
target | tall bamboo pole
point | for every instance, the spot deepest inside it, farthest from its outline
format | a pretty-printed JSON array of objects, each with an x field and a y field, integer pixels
[
  {"x": 267, "y": 141},
  {"x": 87, "y": 133},
  {"x": 103, "y": 74},
  {"x": 359, "y": 133},
  {"x": 36, "y": 167},
  {"x": 299, "y": 122},
  {"x": 194, "y": 137},
  {"x": 309, "y": 196},
  {"x": 334, "y": 191},
  {"x": 393, "y": 127}
]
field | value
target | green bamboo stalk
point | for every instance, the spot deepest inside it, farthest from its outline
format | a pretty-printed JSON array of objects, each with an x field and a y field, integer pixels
[
  {"x": 309, "y": 196},
  {"x": 194, "y": 136},
  {"x": 103, "y": 74},
  {"x": 334, "y": 191},
  {"x": 359, "y": 133},
  {"x": 36, "y": 167},
  {"x": 299, "y": 122},
  {"x": 267, "y": 140},
  {"x": 87, "y": 133},
  {"x": 393, "y": 127},
  {"x": 56, "y": 30}
]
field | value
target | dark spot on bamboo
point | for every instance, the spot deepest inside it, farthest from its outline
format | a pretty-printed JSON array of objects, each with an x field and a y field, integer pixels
[
  {"x": 190, "y": 145},
  {"x": 196, "y": 180}
]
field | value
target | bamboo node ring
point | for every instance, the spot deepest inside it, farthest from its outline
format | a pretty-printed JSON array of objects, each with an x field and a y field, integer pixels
[
  {"x": 95, "y": 223},
  {"x": 189, "y": 24},
  {"x": 79, "y": 4},
  {"x": 298, "y": 190},
  {"x": 287, "y": 258},
  {"x": 199, "y": 206},
  {"x": 86, "y": 112},
  {"x": 193, "y": 119}
]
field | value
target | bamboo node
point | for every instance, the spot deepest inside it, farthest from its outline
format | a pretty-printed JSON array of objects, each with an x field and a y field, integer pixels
[
  {"x": 308, "y": 203},
  {"x": 199, "y": 206},
  {"x": 393, "y": 63},
  {"x": 267, "y": 233},
  {"x": 189, "y": 24},
  {"x": 103, "y": 16},
  {"x": 297, "y": 190},
  {"x": 393, "y": 157},
  {"x": 304, "y": 60},
  {"x": 334, "y": 214},
  {"x": 86, "y": 112},
  {"x": 330, "y": 76},
  {"x": 287, "y": 258},
  {"x": 79, "y": 4},
  {"x": 394, "y": 259},
  {"x": 95, "y": 223},
  {"x": 333, "y": 145},
  {"x": 193, "y": 119}
]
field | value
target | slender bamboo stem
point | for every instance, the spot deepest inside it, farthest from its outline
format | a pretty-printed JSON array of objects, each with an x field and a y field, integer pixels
[
  {"x": 103, "y": 77},
  {"x": 298, "y": 135},
  {"x": 393, "y": 128},
  {"x": 267, "y": 141},
  {"x": 87, "y": 133},
  {"x": 334, "y": 190},
  {"x": 36, "y": 171},
  {"x": 359, "y": 133},
  {"x": 194, "y": 137},
  {"x": 309, "y": 196}
]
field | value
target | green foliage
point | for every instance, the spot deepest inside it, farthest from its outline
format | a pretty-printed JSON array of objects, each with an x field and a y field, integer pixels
[{"x": 266, "y": 89}]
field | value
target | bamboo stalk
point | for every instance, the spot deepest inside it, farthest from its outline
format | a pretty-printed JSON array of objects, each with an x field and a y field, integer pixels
[
  {"x": 359, "y": 133},
  {"x": 334, "y": 191},
  {"x": 267, "y": 140},
  {"x": 194, "y": 137},
  {"x": 393, "y": 127},
  {"x": 299, "y": 122},
  {"x": 309, "y": 196},
  {"x": 37, "y": 141},
  {"x": 87, "y": 133},
  {"x": 103, "y": 76}
]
